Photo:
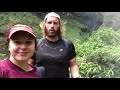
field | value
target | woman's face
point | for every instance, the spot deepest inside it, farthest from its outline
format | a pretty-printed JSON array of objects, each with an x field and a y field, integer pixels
[{"x": 21, "y": 46}]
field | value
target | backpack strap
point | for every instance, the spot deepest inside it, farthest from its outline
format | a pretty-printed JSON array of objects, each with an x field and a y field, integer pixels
[
  {"x": 40, "y": 69},
  {"x": 66, "y": 43},
  {"x": 39, "y": 41}
]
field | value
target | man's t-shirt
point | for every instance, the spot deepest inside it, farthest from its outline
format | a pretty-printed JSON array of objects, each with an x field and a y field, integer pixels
[
  {"x": 54, "y": 57},
  {"x": 9, "y": 70}
]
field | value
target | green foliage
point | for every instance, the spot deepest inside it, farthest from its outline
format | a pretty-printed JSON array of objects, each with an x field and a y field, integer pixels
[
  {"x": 108, "y": 36},
  {"x": 73, "y": 29},
  {"x": 10, "y": 18},
  {"x": 3, "y": 56},
  {"x": 108, "y": 57},
  {"x": 99, "y": 55}
]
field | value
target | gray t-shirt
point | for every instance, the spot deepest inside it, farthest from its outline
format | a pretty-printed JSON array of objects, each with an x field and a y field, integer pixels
[{"x": 54, "y": 56}]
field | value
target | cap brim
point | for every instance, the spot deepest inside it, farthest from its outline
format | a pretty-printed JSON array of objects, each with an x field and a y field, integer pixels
[{"x": 14, "y": 31}]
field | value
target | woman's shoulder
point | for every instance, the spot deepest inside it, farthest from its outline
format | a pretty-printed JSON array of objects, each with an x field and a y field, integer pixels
[
  {"x": 3, "y": 66},
  {"x": 3, "y": 63}
]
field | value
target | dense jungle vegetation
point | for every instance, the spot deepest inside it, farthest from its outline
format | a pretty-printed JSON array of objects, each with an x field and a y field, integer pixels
[{"x": 98, "y": 52}]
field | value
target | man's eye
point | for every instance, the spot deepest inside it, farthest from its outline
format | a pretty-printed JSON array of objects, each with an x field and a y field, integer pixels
[
  {"x": 49, "y": 22},
  {"x": 55, "y": 23}
]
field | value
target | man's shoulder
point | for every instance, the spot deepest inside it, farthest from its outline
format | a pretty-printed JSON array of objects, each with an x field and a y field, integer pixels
[
  {"x": 39, "y": 40},
  {"x": 67, "y": 41}
]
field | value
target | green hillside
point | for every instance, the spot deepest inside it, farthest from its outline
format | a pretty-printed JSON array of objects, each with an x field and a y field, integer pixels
[{"x": 98, "y": 52}]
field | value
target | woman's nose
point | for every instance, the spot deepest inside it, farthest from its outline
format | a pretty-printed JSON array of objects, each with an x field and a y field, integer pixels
[{"x": 23, "y": 46}]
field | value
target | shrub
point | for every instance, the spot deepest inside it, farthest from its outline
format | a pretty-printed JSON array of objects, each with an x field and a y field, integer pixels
[{"x": 99, "y": 55}]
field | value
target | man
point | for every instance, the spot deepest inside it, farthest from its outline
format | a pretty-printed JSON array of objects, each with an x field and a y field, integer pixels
[{"x": 52, "y": 52}]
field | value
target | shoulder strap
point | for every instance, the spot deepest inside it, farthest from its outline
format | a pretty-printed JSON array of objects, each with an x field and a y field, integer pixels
[
  {"x": 39, "y": 41},
  {"x": 66, "y": 42}
]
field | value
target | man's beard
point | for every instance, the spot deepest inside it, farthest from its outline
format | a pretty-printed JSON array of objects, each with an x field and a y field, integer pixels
[{"x": 53, "y": 34}]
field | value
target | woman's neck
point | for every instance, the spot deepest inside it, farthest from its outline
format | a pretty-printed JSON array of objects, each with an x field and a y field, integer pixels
[{"x": 22, "y": 64}]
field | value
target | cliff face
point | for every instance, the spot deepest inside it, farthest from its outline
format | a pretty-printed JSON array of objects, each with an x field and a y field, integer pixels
[
  {"x": 94, "y": 20},
  {"x": 112, "y": 19},
  {"x": 91, "y": 20}
]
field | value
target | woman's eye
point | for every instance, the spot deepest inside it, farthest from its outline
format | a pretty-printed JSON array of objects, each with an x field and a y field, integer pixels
[
  {"x": 29, "y": 42},
  {"x": 17, "y": 42}
]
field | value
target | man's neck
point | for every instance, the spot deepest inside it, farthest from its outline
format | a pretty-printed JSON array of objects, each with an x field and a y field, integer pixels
[{"x": 52, "y": 39}]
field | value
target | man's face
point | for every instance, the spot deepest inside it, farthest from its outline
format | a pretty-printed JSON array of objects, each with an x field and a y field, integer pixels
[{"x": 52, "y": 27}]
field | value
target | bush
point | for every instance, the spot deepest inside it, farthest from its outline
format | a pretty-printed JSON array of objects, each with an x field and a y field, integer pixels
[{"x": 99, "y": 55}]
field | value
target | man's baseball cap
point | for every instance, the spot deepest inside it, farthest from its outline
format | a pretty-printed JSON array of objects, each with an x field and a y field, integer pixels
[
  {"x": 19, "y": 27},
  {"x": 52, "y": 14}
]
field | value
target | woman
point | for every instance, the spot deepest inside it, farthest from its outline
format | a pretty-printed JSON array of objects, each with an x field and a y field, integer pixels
[{"x": 21, "y": 45}]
